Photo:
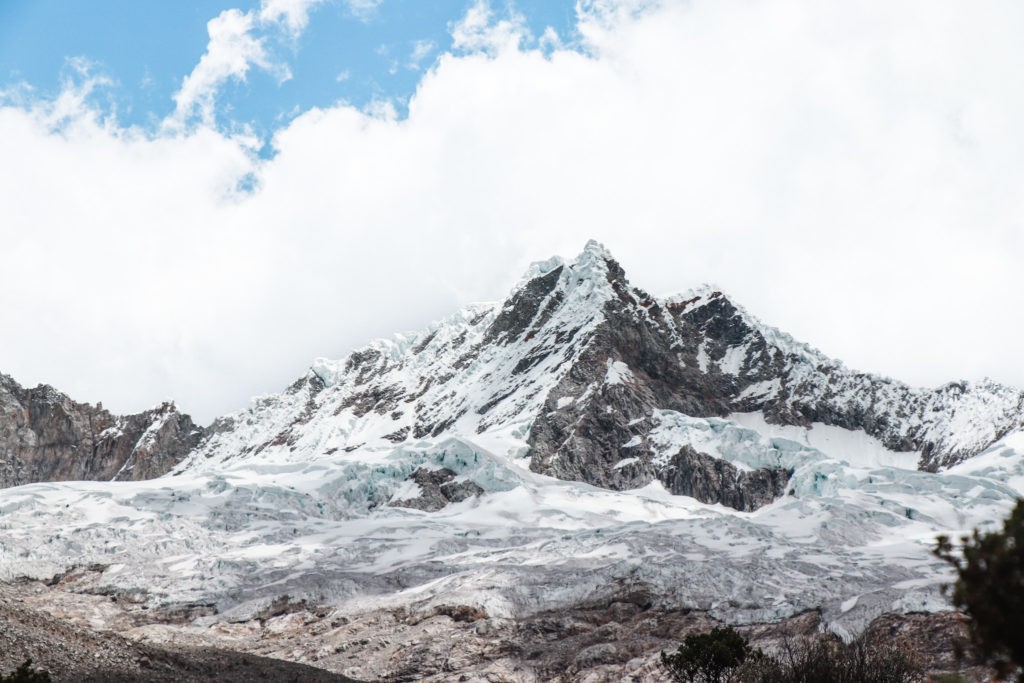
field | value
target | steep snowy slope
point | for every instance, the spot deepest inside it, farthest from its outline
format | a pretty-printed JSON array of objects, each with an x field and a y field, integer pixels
[
  {"x": 579, "y": 442},
  {"x": 463, "y": 374}
]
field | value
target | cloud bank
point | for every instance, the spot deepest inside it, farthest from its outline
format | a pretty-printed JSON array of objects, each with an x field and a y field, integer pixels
[{"x": 850, "y": 172}]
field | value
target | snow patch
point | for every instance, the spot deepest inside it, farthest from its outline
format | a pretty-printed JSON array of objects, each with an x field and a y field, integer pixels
[
  {"x": 732, "y": 361},
  {"x": 855, "y": 447},
  {"x": 703, "y": 362},
  {"x": 617, "y": 372}
]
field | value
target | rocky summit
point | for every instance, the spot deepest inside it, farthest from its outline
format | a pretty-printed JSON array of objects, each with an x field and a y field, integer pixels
[
  {"x": 46, "y": 436},
  {"x": 555, "y": 486}
]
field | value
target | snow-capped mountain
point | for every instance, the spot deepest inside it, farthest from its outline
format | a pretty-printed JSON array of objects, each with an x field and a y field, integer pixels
[
  {"x": 579, "y": 364},
  {"x": 580, "y": 443}
]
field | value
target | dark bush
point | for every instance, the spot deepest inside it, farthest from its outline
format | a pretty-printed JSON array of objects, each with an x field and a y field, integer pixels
[
  {"x": 827, "y": 658},
  {"x": 812, "y": 660},
  {"x": 26, "y": 674},
  {"x": 707, "y": 657},
  {"x": 990, "y": 591}
]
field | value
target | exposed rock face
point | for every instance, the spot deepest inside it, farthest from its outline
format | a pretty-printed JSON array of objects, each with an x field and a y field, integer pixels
[
  {"x": 438, "y": 488},
  {"x": 46, "y": 436},
  {"x": 794, "y": 384},
  {"x": 713, "y": 480},
  {"x": 641, "y": 358}
]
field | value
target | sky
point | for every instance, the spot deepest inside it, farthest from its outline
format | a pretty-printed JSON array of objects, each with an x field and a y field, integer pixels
[{"x": 199, "y": 198}]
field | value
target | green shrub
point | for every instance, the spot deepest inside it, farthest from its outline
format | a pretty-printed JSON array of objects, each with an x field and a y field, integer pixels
[
  {"x": 990, "y": 591},
  {"x": 707, "y": 657}
]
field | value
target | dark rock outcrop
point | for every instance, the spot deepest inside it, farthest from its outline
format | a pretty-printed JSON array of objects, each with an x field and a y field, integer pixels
[
  {"x": 713, "y": 480},
  {"x": 810, "y": 387},
  {"x": 438, "y": 489},
  {"x": 585, "y": 440},
  {"x": 46, "y": 436}
]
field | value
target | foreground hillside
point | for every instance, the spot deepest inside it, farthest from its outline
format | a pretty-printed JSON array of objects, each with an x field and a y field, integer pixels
[
  {"x": 556, "y": 483},
  {"x": 34, "y": 624}
]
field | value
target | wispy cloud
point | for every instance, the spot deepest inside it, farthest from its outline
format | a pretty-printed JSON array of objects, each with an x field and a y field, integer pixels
[
  {"x": 363, "y": 9},
  {"x": 480, "y": 30},
  {"x": 293, "y": 14},
  {"x": 238, "y": 43},
  {"x": 232, "y": 51},
  {"x": 421, "y": 49},
  {"x": 82, "y": 83}
]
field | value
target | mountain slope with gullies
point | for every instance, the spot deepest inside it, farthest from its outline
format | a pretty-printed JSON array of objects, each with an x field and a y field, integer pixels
[{"x": 575, "y": 464}]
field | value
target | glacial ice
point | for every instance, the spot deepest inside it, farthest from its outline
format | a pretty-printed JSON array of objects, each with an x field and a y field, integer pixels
[
  {"x": 291, "y": 495},
  {"x": 321, "y": 529}
]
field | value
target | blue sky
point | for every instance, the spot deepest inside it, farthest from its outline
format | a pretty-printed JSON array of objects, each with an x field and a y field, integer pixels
[
  {"x": 198, "y": 199},
  {"x": 356, "y": 54}
]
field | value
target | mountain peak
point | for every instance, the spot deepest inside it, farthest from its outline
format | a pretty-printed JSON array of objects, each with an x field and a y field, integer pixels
[
  {"x": 697, "y": 296},
  {"x": 595, "y": 264},
  {"x": 594, "y": 251},
  {"x": 581, "y": 362},
  {"x": 591, "y": 264}
]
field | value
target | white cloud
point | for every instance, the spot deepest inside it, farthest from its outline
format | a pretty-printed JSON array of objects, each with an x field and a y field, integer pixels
[
  {"x": 80, "y": 82},
  {"x": 293, "y": 14},
  {"x": 421, "y": 49},
  {"x": 363, "y": 9},
  {"x": 231, "y": 52},
  {"x": 550, "y": 40},
  {"x": 850, "y": 172},
  {"x": 238, "y": 43},
  {"x": 478, "y": 30}
]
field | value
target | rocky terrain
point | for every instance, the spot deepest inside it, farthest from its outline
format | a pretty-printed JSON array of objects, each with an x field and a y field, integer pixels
[
  {"x": 611, "y": 640},
  {"x": 46, "y": 436},
  {"x": 555, "y": 486},
  {"x": 36, "y": 624}
]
